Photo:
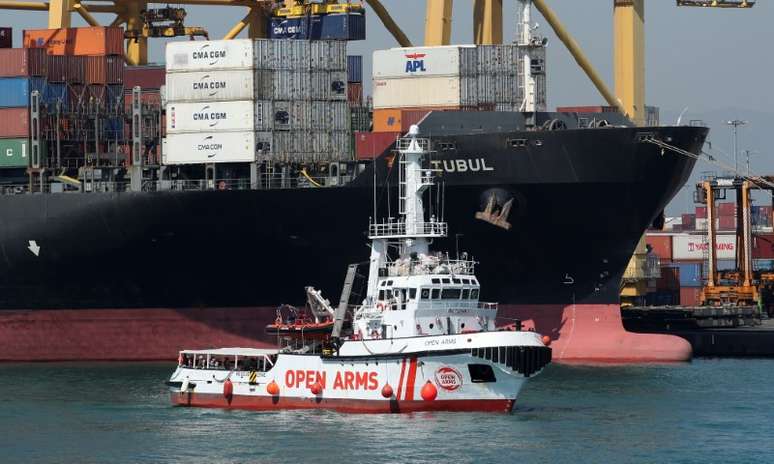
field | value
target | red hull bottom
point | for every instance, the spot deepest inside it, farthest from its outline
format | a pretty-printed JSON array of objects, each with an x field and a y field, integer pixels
[
  {"x": 579, "y": 334},
  {"x": 265, "y": 403}
]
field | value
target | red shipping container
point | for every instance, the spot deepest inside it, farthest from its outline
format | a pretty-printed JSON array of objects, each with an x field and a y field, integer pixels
[
  {"x": 690, "y": 296},
  {"x": 688, "y": 221},
  {"x": 79, "y": 41},
  {"x": 6, "y": 37},
  {"x": 726, "y": 209},
  {"x": 701, "y": 212},
  {"x": 103, "y": 70},
  {"x": 727, "y": 223},
  {"x": 14, "y": 122},
  {"x": 146, "y": 77},
  {"x": 661, "y": 245},
  {"x": 76, "y": 73},
  {"x": 369, "y": 145},
  {"x": 355, "y": 93},
  {"x": 763, "y": 246},
  {"x": 22, "y": 62},
  {"x": 57, "y": 68}
]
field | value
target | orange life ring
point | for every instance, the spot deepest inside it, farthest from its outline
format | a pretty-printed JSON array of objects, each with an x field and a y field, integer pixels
[{"x": 380, "y": 306}]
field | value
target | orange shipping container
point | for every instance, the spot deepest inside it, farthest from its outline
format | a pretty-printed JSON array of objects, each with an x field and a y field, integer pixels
[
  {"x": 398, "y": 120},
  {"x": 80, "y": 41}
]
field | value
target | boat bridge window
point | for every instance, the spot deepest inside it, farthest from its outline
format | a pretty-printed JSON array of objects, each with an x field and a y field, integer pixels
[
  {"x": 381, "y": 295},
  {"x": 436, "y": 281},
  {"x": 474, "y": 294},
  {"x": 465, "y": 293},
  {"x": 456, "y": 281},
  {"x": 413, "y": 293},
  {"x": 446, "y": 281},
  {"x": 425, "y": 294},
  {"x": 436, "y": 293},
  {"x": 451, "y": 293}
]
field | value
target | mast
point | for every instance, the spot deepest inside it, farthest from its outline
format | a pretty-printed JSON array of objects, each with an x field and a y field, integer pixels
[
  {"x": 524, "y": 40},
  {"x": 412, "y": 231}
]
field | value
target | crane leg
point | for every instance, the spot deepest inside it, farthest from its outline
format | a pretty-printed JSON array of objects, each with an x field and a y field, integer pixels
[
  {"x": 136, "y": 49},
  {"x": 487, "y": 22},
  {"x": 256, "y": 25},
  {"x": 629, "y": 56},
  {"x": 59, "y": 13},
  {"x": 438, "y": 20}
]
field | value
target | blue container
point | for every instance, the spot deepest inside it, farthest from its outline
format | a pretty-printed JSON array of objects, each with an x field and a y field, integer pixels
[
  {"x": 763, "y": 264},
  {"x": 113, "y": 128},
  {"x": 690, "y": 275},
  {"x": 305, "y": 28},
  {"x": 354, "y": 68},
  {"x": 15, "y": 91},
  {"x": 115, "y": 97},
  {"x": 56, "y": 92},
  {"x": 349, "y": 26}
]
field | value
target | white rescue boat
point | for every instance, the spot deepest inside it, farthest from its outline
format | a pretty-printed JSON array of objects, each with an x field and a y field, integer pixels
[{"x": 421, "y": 340}]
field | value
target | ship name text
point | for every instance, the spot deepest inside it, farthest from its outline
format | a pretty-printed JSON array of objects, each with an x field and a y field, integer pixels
[
  {"x": 346, "y": 380},
  {"x": 462, "y": 165}
]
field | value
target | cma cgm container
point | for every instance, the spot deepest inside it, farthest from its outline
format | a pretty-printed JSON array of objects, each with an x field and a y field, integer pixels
[
  {"x": 26, "y": 62},
  {"x": 694, "y": 247},
  {"x": 210, "y": 86},
  {"x": 79, "y": 41},
  {"x": 210, "y": 116},
  {"x": 304, "y": 28},
  {"x": 344, "y": 26},
  {"x": 209, "y": 55},
  {"x": 209, "y": 147},
  {"x": 15, "y": 91}
]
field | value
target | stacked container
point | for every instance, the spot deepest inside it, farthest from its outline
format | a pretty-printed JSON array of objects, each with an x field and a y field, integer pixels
[
  {"x": 22, "y": 72},
  {"x": 263, "y": 100},
  {"x": 459, "y": 77}
]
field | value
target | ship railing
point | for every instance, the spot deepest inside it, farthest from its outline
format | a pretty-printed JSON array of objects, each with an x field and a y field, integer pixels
[
  {"x": 401, "y": 229},
  {"x": 107, "y": 186},
  {"x": 404, "y": 144},
  {"x": 451, "y": 305},
  {"x": 403, "y": 268}
]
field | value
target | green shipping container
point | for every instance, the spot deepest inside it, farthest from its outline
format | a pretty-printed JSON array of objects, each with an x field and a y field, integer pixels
[{"x": 15, "y": 153}]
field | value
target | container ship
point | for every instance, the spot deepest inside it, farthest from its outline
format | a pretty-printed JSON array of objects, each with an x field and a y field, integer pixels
[{"x": 138, "y": 220}]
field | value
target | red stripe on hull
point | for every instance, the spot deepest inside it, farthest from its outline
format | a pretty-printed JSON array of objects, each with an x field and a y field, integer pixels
[
  {"x": 402, "y": 373},
  {"x": 412, "y": 377},
  {"x": 265, "y": 403},
  {"x": 580, "y": 334},
  {"x": 594, "y": 334}
]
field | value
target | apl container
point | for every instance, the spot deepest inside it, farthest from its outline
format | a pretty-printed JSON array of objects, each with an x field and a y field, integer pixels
[
  {"x": 210, "y": 86},
  {"x": 425, "y": 92},
  {"x": 209, "y": 147},
  {"x": 14, "y": 153},
  {"x": 210, "y": 116},
  {"x": 26, "y": 62},
  {"x": 79, "y": 41},
  {"x": 209, "y": 55},
  {"x": 15, "y": 91},
  {"x": 452, "y": 60}
]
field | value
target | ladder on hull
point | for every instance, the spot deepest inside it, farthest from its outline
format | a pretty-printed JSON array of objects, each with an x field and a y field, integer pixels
[{"x": 341, "y": 310}]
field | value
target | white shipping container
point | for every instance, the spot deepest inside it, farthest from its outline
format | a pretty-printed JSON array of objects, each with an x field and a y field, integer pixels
[
  {"x": 328, "y": 55},
  {"x": 452, "y": 60},
  {"x": 210, "y": 86},
  {"x": 210, "y": 147},
  {"x": 210, "y": 116},
  {"x": 208, "y": 55},
  {"x": 291, "y": 85},
  {"x": 694, "y": 247},
  {"x": 417, "y": 92},
  {"x": 291, "y": 115}
]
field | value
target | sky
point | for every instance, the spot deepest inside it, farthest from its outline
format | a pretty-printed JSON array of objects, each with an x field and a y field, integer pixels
[{"x": 714, "y": 64}]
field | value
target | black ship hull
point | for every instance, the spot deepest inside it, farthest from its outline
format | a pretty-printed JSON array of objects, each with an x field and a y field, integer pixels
[{"x": 553, "y": 218}]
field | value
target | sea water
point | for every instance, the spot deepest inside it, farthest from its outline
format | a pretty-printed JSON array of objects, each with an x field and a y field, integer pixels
[{"x": 703, "y": 412}]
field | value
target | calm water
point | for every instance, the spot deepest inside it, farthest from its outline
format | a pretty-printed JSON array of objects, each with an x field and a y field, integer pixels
[{"x": 707, "y": 411}]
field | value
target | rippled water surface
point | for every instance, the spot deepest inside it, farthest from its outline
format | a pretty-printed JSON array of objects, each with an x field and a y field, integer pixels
[{"x": 707, "y": 411}]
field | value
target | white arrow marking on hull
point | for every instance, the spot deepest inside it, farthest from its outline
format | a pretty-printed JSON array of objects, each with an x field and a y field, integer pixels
[{"x": 34, "y": 248}]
